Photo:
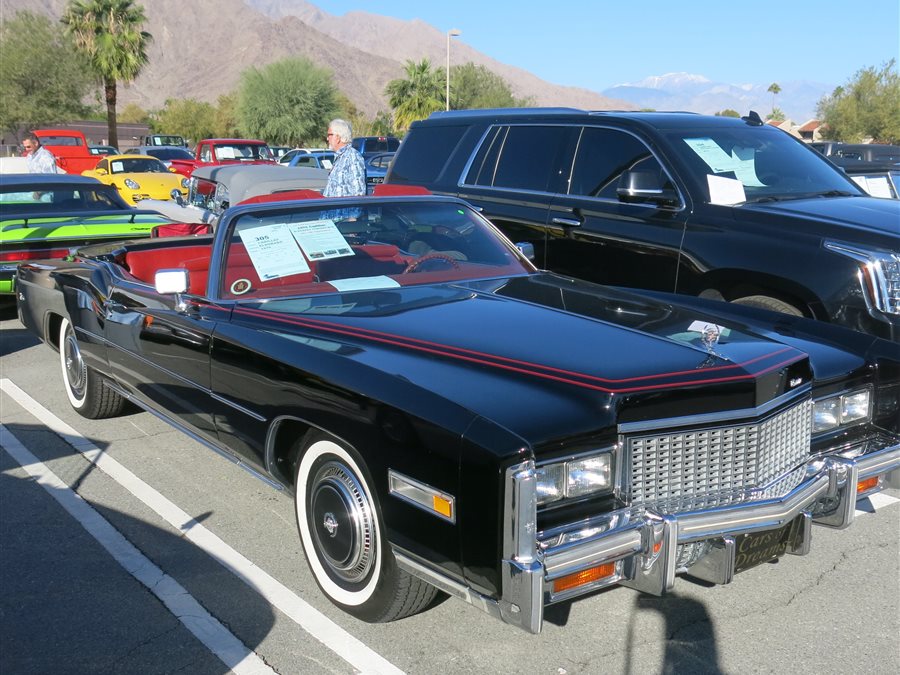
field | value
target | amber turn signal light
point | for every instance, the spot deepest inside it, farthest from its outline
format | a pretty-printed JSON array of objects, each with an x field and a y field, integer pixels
[
  {"x": 866, "y": 485},
  {"x": 587, "y": 576}
]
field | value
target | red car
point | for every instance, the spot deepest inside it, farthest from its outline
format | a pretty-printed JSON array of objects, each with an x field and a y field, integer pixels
[
  {"x": 215, "y": 151},
  {"x": 70, "y": 148}
]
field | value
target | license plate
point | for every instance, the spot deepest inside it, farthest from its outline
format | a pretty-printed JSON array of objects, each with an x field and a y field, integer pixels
[{"x": 759, "y": 547}]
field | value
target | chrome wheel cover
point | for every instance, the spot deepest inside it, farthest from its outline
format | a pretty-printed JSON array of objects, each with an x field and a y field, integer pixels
[
  {"x": 341, "y": 523},
  {"x": 76, "y": 370}
]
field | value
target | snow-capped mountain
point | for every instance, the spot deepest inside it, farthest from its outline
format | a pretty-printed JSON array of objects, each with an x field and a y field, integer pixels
[{"x": 696, "y": 93}]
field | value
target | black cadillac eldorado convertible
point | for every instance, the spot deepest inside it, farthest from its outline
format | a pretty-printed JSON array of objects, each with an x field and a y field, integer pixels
[{"x": 452, "y": 420}]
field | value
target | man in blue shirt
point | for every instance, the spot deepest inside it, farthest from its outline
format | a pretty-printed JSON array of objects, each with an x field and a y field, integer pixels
[
  {"x": 348, "y": 175},
  {"x": 41, "y": 160}
]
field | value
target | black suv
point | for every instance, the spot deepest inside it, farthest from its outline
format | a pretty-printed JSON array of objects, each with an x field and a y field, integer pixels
[{"x": 718, "y": 207}]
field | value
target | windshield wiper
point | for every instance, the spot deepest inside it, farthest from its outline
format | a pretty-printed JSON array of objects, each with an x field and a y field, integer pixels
[
  {"x": 834, "y": 193},
  {"x": 802, "y": 195}
]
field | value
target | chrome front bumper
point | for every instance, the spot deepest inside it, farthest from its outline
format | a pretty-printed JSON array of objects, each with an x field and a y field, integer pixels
[{"x": 643, "y": 545}]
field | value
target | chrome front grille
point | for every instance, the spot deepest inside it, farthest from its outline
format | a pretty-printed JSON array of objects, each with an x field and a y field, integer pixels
[{"x": 711, "y": 465}]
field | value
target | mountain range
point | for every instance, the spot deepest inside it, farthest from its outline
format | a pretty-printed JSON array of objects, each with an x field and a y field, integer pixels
[
  {"x": 683, "y": 91},
  {"x": 201, "y": 47}
]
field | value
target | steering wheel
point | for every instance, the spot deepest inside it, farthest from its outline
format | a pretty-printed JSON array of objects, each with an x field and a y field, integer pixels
[{"x": 422, "y": 264}]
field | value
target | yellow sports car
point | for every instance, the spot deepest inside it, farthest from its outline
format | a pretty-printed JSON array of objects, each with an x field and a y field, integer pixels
[{"x": 139, "y": 177}]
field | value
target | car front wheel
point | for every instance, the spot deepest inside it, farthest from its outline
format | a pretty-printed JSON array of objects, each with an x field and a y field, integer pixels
[
  {"x": 87, "y": 393},
  {"x": 343, "y": 536}
]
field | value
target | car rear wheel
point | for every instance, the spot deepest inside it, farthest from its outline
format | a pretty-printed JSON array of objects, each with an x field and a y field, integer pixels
[
  {"x": 772, "y": 304},
  {"x": 343, "y": 536},
  {"x": 87, "y": 393}
]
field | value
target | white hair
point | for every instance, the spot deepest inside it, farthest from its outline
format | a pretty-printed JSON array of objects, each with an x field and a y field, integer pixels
[{"x": 342, "y": 128}]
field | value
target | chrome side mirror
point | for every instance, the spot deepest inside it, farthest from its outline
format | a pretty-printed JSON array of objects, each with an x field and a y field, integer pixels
[
  {"x": 643, "y": 187},
  {"x": 174, "y": 281}
]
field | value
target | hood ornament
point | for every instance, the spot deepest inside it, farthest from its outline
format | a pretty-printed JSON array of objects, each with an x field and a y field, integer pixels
[{"x": 709, "y": 337}]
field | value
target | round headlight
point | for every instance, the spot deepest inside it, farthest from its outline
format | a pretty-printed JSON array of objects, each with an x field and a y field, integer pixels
[{"x": 132, "y": 185}]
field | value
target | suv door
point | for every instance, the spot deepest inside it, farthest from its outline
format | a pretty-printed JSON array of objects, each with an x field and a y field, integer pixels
[
  {"x": 513, "y": 176},
  {"x": 594, "y": 234}
]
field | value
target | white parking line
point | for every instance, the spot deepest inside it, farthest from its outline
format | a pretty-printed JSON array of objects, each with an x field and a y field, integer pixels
[
  {"x": 307, "y": 617},
  {"x": 186, "y": 609}
]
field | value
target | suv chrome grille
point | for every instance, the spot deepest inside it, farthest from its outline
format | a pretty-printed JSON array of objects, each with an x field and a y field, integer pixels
[{"x": 680, "y": 466}]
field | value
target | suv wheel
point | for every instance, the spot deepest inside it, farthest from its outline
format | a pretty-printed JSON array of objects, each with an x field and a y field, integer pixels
[{"x": 772, "y": 304}]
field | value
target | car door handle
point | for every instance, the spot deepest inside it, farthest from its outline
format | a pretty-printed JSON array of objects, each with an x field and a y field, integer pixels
[{"x": 568, "y": 222}]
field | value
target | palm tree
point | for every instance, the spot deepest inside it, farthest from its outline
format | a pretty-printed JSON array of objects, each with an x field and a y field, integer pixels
[
  {"x": 109, "y": 33},
  {"x": 774, "y": 89},
  {"x": 417, "y": 96}
]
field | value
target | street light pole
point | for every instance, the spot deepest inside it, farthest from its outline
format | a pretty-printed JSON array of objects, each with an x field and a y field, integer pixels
[{"x": 453, "y": 32}]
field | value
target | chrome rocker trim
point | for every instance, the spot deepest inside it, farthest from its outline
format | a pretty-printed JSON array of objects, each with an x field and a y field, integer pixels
[{"x": 643, "y": 544}]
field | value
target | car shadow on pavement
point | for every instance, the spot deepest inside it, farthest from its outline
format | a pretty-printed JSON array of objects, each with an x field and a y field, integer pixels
[
  {"x": 68, "y": 606},
  {"x": 13, "y": 336},
  {"x": 689, "y": 634}
]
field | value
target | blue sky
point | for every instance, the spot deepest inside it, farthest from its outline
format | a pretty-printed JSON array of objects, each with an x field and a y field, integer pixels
[{"x": 598, "y": 44}]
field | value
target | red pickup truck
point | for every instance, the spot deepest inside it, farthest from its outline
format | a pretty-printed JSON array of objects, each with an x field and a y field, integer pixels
[
  {"x": 70, "y": 149},
  {"x": 216, "y": 151}
]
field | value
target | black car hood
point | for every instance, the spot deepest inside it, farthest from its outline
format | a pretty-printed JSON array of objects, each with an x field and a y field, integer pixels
[
  {"x": 862, "y": 213},
  {"x": 541, "y": 351}
]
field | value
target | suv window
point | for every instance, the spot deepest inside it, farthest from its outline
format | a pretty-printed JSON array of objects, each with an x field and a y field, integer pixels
[
  {"x": 603, "y": 155},
  {"x": 520, "y": 157},
  {"x": 415, "y": 167}
]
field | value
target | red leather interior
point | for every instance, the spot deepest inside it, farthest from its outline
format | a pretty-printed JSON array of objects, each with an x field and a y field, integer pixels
[{"x": 144, "y": 263}]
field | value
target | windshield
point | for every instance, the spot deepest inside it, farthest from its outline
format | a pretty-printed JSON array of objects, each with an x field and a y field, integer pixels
[
  {"x": 60, "y": 140},
  {"x": 166, "y": 140},
  {"x": 752, "y": 164},
  {"x": 59, "y": 199},
  {"x": 311, "y": 250},
  {"x": 243, "y": 152},
  {"x": 170, "y": 153},
  {"x": 138, "y": 165}
]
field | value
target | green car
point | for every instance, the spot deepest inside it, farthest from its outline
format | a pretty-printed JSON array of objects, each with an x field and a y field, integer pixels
[{"x": 48, "y": 215}]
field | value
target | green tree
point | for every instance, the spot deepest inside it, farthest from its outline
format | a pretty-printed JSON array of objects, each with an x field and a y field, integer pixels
[
  {"x": 108, "y": 33},
  {"x": 474, "y": 86},
  {"x": 778, "y": 115},
  {"x": 417, "y": 95},
  {"x": 134, "y": 114},
  {"x": 43, "y": 80},
  {"x": 186, "y": 117},
  {"x": 774, "y": 89},
  {"x": 728, "y": 112},
  {"x": 867, "y": 107},
  {"x": 383, "y": 124},
  {"x": 380, "y": 125},
  {"x": 289, "y": 102},
  {"x": 358, "y": 121},
  {"x": 225, "y": 121}
]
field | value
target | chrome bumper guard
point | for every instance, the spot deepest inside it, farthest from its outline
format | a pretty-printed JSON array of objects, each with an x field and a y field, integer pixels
[{"x": 642, "y": 545}]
